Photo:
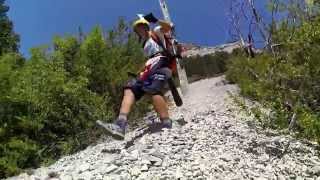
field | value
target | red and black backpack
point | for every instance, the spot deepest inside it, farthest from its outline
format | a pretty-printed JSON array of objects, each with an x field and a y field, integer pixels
[{"x": 167, "y": 50}]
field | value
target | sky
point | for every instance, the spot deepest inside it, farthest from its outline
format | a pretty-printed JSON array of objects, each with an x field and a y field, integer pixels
[{"x": 202, "y": 22}]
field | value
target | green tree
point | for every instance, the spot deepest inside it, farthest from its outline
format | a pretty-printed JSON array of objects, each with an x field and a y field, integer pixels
[
  {"x": 69, "y": 49},
  {"x": 49, "y": 103},
  {"x": 9, "y": 40}
]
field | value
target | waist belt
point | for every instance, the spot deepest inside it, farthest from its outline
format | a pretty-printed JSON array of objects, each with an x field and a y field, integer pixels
[{"x": 156, "y": 55}]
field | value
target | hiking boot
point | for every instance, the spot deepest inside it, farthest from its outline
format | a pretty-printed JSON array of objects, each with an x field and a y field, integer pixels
[
  {"x": 160, "y": 125},
  {"x": 167, "y": 124},
  {"x": 116, "y": 130}
]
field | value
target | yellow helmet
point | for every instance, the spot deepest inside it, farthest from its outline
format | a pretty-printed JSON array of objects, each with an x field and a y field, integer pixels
[{"x": 140, "y": 21}]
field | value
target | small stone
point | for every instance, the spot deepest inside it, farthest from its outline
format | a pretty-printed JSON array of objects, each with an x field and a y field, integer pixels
[
  {"x": 111, "y": 151},
  {"x": 145, "y": 162},
  {"x": 33, "y": 177},
  {"x": 111, "y": 168},
  {"x": 83, "y": 167},
  {"x": 135, "y": 154},
  {"x": 53, "y": 174},
  {"x": 165, "y": 164},
  {"x": 314, "y": 170},
  {"x": 196, "y": 173},
  {"x": 226, "y": 158},
  {"x": 111, "y": 177},
  {"x": 194, "y": 167},
  {"x": 202, "y": 167},
  {"x": 251, "y": 173},
  {"x": 178, "y": 174},
  {"x": 85, "y": 175},
  {"x": 185, "y": 151},
  {"x": 157, "y": 154},
  {"x": 177, "y": 156},
  {"x": 261, "y": 178},
  {"x": 144, "y": 168},
  {"x": 195, "y": 164},
  {"x": 159, "y": 163},
  {"x": 281, "y": 177},
  {"x": 66, "y": 177},
  {"x": 125, "y": 176},
  {"x": 21, "y": 176},
  {"x": 154, "y": 159},
  {"x": 189, "y": 173},
  {"x": 135, "y": 171},
  {"x": 299, "y": 178},
  {"x": 118, "y": 162}
]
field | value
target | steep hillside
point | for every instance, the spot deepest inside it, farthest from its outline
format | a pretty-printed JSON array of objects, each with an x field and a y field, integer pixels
[{"x": 217, "y": 142}]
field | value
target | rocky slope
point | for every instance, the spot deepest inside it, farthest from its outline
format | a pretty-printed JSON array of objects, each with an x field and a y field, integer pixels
[
  {"x": 193, "y": 50},
  {"x": 217, "y": 142}
]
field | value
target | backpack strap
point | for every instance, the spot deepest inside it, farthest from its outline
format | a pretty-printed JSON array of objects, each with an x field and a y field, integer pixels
[
  {"x": 157, "y": 39},
  {"x": 171, "y": 58}
]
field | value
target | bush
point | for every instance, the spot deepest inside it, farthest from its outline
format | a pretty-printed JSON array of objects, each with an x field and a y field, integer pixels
[
  {"x": 206, "y": 66},
  {"x": 50, "y": 102},
  {"x": 287, "y": 83}
]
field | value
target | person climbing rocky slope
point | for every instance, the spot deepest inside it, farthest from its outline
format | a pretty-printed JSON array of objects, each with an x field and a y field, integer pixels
[{"x": 217, "y": 142}]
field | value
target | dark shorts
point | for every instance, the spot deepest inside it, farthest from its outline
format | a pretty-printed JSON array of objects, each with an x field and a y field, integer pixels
[{"x": 153, "y": 85}]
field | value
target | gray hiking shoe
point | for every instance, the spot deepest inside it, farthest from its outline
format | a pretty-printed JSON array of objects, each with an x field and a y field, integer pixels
[
  {"x": 167, "y": 124},
  {"x": 155, "y": 125},
  {"x": 116, "y": 130}
]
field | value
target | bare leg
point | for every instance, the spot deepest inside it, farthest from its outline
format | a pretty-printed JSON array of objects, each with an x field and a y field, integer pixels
[
  {"x": 160, "y": 105},
  {"x": 118, "y": 128},
  {"x": 127, "y": 102}
]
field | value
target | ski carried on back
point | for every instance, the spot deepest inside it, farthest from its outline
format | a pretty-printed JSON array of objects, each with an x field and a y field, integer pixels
[{"x": 181, "y": 71}]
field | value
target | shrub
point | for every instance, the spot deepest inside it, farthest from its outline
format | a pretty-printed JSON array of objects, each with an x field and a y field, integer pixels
[
  {"x": 49, "y": 103},
  {"x": 287, "y": 83}
]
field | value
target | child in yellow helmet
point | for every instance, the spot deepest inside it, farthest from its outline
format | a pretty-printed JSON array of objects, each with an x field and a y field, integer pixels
[{"x": 152, "y": 79}]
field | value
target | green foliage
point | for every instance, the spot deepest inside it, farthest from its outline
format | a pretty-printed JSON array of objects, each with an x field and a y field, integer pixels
[
  {"x": 8, "y": 39},
  {"x": 287, "y": 83},
  {"x": 206, "y": 66},
  {"x": 50, "y": 102}
]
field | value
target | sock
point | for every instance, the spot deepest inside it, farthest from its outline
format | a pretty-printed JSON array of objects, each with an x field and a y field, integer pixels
[
  {"x": 123, "y": 116},
  {"x": 165, "y": 120},
  {"x": 122, "y": 120}
]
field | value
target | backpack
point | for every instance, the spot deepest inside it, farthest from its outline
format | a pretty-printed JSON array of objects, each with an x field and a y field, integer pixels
[{"x": 171, "y": 57}]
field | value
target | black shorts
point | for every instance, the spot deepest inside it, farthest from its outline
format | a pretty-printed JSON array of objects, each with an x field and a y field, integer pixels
[{"x": 153, "y": 85}]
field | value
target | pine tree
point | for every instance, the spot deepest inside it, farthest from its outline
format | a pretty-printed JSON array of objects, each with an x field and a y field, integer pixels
[{"x": 9, "y": 40}]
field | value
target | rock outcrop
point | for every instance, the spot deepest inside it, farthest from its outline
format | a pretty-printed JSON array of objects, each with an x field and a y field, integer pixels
[{"x": 202, "y": 51}]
